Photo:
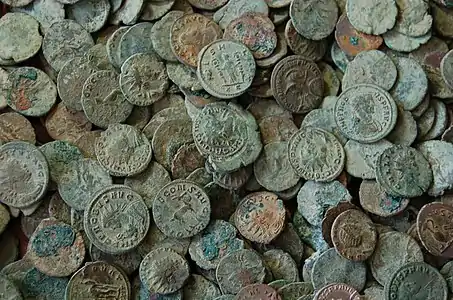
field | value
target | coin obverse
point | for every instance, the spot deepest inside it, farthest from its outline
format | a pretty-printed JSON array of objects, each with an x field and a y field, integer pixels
[{"x": 116, "y": 220}]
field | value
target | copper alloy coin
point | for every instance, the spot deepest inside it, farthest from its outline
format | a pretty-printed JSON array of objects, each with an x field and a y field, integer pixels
[
  {"x": 337, "y": 291},
  {"x": 189, "y": 34},
  {"x": 354, "y": 235},
  {"x": 15, "y": 127},
  {"x": 330, "y": 216},
  {"x": 308, "y": 49},
  {"x": 260, "y": 217},
  {"x": 435, "y": 229},
  {"x": 257, "y": 291},
  {"x": 352, "y": 41},
  {"x": 297, "y": 84}
]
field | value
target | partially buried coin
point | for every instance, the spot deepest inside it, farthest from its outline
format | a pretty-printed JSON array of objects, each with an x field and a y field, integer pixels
[
  {"x": 8, "y": 290},
  {"x": 374, "y": 199},
  {"x": 337, "y": 291},
  {"x": 281, "y": 265},
  {"x": 200, "y": 288},
  {"x": 15, "y": 127},
  {"x": 257, "y": 291}
]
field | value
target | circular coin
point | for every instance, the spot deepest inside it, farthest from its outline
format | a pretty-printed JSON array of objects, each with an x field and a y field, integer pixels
[
  {"x": 91, "y": 14},
  {"x": 160, "y": 35},
  {"x": 337, "y": 291},
  {"x": 308, "y": 49},
  {"x": 375, "y": 200},
  {"x": 235, "y": 8},
  {"x": 373, "y": 17},
  {"x": 135, "y": 40},
  {"x": 15, "y": 127},
  {"x": 65, "y": 124},
  {"x": 330, "y": 216},
  {"x": 128, "y": 262}
]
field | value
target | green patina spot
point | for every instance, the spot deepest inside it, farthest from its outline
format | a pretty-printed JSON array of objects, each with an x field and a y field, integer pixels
[
  {"x": 390, "y": 203},
  {"x": 37, "y": 285},
  {"x": 354, "y": 40},
  {"x": 51, "y": 238}
]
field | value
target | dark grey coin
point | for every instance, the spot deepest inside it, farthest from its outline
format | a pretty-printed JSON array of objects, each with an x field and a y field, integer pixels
[
  {"x": 307, "y": 48},
  {"x": 239, "y": 269},
  {"x": 167, "y": 114},
  {"x": 128, "y": 261},
  {"x": 281, "y": 50},
  {"x": 447, "y": 272},
  {"x": 261, "y": 108},
  {"x": 29, "y": 223},
  {"x": 113, "y": 46},
  {"x": 45, "y": 12},
  {"x": 199, "y": 288},
  {"x": 339, "y": 57},
  {"x": 139, "y": 117},
  {"x": 116, "y": 220},
  {"x": 223, "y": 201},
  {"x": 372, "y": 17},
  {"x": 63, "y": 41},
  {"x": 143, "y": 79},
  {"x": 281, "y": 265},
  {"x": 140, "y": 292},
  {"x": 160, "y": 35},
  {"x": 4, "y": 218},
  {"x": 102, "y": 100},
  {"x": 235, "y": 8},
  {"x": 128, "y": 13},
  {"x": 98, "y": 279},
  {"x": 181, "y": 209},
  {"x": 155, "y": 239},
  {"x": 331, "y": 267},
  {"x": 411, "y": 281},
  {"x": 295, "y": 290},
  {"x": 234, "y": 180},
  {"x": 403, "y": 171},
  {"x": 24, "y": 174},
  {"x": 58, "y": 209},
  {"x": 91, "y": 14},
  {"x": 426, "y": 120},
  {"x": 314, "y": 20},
  {"x": 135, "y": 40},
  {"x": 164, "y": 271},
  {"x": 446, "y": 68},
  {"x": 183, "y": 76}
]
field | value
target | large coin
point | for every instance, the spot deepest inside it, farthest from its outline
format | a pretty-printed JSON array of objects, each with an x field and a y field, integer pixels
[
  {"x": 316, "y": 154},
  {"x": 297, "y": 84},
  {"x": 181, "y": 209},
  {"x": 116, "y": 220},
  {"x": 365, "y": 113},
  {"x": 226, "y": 68},
  {"x": 24, "y": 174}
]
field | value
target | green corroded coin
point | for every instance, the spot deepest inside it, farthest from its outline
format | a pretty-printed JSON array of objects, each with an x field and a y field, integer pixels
[
  {"x": 39, "y": 286},
  {"x": 295, "y": 290},
  {"x": 199, "y": 288},
  {"x": 45, "y": 12},
  {"x": 8, "y": 290},
  {"x": 160, "y": 35}
]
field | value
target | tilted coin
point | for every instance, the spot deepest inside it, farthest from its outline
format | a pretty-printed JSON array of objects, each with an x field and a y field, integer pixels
[
  {"x": 273, "y": 169},
  {"x": 432, "y": 65},
  {"x": 98, "y": 278},
  {"x": 183, "y": 76},
  {"x": 32, "y": 93},
  {"x": 410, "y": 281},
  {"x": 199, "y": 288},
  {"x": 8, "y": 290},
  {"x": 345, "y": 271},
  {"x": 446, "y": 68},
  {"x": 86, "y": 143},
  {"x": 143, "y": 79},
  {"x": 233, "y": 180},
  {"x": 56, "y": 249},
  {"x": 403, "y": 171},
  {"x": 4, "y": 88},
  {"x": 91, "y": 14},
  {"x": 113, "y": 46},
  {"x": 37, "y": 285},
  {"x": 208, "y": 4},
  {"x": 65, "y": 124},
  {"x": 432, "y": 229},
  {"x": 45, "y": 12},
  {"x": 15, "y": 127},
  {"x": 426, "y": 120},
  {"x": 405, "y": 131},
  {"x": 102, "y": 100},
  {"x": 225, "y": 68},
  {"x": 440, "y": 121},
  {"x": 190, "y": 34},
  {"x": 339, "y": 291},
  {"x": 413, "y": 17},
  {"x": 223, "y": 201},
  {"x": 331, "y": 81},
  {"x": 24, "y": 174},
  {"x": 140, "y": 292},
  {"x": 314, "y": 20},
  {"x": 19, "y": 37},
  {"x": 297, "y": 84},
  {"x": 404, "y": 43},
  {"x": 365, "y": 113},
  {"x": 354, "y": 235},
  {"x": 281, "y": 49},
  {"x": 139, "y": 117},
  {"x": 329, "y": 219},
  {"x": 339, "y": 57},
  {"x": 29, "y": 222},
  {"x": 155, "y": 9},
  {"x": 260, "y": 217},
  {"x": 4, "y": 218},
  {"x": 434, "y": 44},
  {"x": 281, "y": 265},
  {"x": 63, "y": 41},
  {"x": 234, "y": 9},
  {"x": 257, "y": 291},
  {"x": 309, "y": 49},
  {"x": 316, "y": 154},
  {"x": 261, "y": 108},
  {"x": 164, "y": 271},
  {"x": 135, "y": 40},
  {"x": 372, "y": 17},
  {"x": 324, "y": 119},
  {"x": 181, "y": 209},
  {"x": 167, "y": 114},
  {"x": 58, "y": 209},
  {"x": 160, "y": 35},
  {"x": 128, "y": 13},
  {"x": 446, "y": 271},
  {"x": 170, "y": 100},
  {"x": 422, "y": 107},
  {"x": 116, "y": 220},
  {"x": 238, "y": 270},
  {"x": 375, "y": 200},
  {"x": 129, "y": 262},
  {"x": 441, "y": 18}
]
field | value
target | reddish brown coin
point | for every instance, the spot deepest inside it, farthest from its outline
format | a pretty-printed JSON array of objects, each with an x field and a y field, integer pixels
[
  {"x": 337, "y": 291},
  {"x": 189, "y": 34},
  {"x": 330, "y": 216},
  {"x": 434, "y": 223},
  {"x": 65, "y": 124},
  {"x": 308, "y": 49},
  {"x": 15, "y": 127},
  {"x": 186, "y": 160},
  {"x": 354, "y": 235},
  {"x": 257, "y": 291},
  {"x": 260, "y": 217},
  {"x": 351, "y": 41},
  {"x": 254, "y": 30}
]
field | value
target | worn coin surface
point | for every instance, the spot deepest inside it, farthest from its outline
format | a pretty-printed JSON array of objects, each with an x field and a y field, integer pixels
[
  {"x": 91, "y": 14},
  {"x": 164, "y": 271},
  {"x": 413, "y": 17},
  {"x": 129, "y": 262},
  {"x": 183, "y": 76},
  {"x": 135, "y": 40},
  {"x": 235, "y": 8},
  {"x": 329, "y": 218},
  {"x": 446, "y": 68},
  {"x": 116, "y": 220},
  {"x": 257, "y": 291},
  {"x": 45, "y": 12},
  {"x": 98, "y": 279},
  {"x": 297, "y": 84},
  {"x": 186, "y": 160},
  {"x": 374, "y": 199},
  {"x": 15, "y": 127},
  {"x": 123, "y": 150},
  {"x": 314, "y": 20},
  {"x": 308, "y": 49},
  {"x": 323, "y": 118},
  {"x": 276, "y": 128},
  {"x": 113, "y": 46},
  {"x": 200, "y": 288},
  {"x": 281, "y": 265},
  {"x": 24, "y": 174},
  {"x": 316, "y": 154},
  {"x": 63, "y": 123},
  {"x": 181, "y": 209},
  {"x": 208, "y": 4},
  {"x": 373, "y": 17},
  {"x": 337, "y": 291},
  {"x": 404, "y": 43},
  {"x": 8, "y": 290},
  {"x": 226, "y": 68}
]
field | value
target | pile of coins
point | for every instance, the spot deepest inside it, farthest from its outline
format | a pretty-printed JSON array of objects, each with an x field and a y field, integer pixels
[{"x": 226, "y": 149}]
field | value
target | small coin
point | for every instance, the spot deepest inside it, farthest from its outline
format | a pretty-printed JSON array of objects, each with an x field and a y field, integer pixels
[
  {"x": 404, "y": 43},
  {"x": 372, "y": 17},
  {"x": 235, "y": 8},
  {"x": 29, "y": 222},
  {"x": 238, "y": 68},
  {"x": 281, "y": 50},
  {"x": 45, "y": 12},
  {"x": 98, "y": 278},
  {"x": 261, "y": 108},
  {"x": 86, "y": 143},
  {"x": 324, "y": 119},
  {"x": 58, "y": 209},
  {"x": 257, "y": 291},
  {"x": 314, "y": 20},
  {"x": 8, "y": 290},
  {"x": 199, "y": 288},
  {"x": 167, "y": 114},
  {"x": 155, "y": 239},
  {"x": 440, "y": 121},
  {"x": 331, "y": 81},
  {"x": 295, "y": 290},
  {"x": 405, "y": 131},
  {"x": 418, "y": 288},
  {"x": 135, "y": 40},
  {"x": 330, "y": 268},
  {"x": 63, "y": 41},
  {"x": 139, "y": 117},
  {"x": 140, "y": 292},
  {"x": 186, "y": 34},
  {"x": 164, "y": 271},
  {"x": 324, "y": 163},
  {"x": 353, "y": 235},
  {"x": 446, "y": 68},
  {"x": 330, "y": 216},
  {"x": 208, "y": 4},
  {"x": 297, "y": 84},
  {"x": 170, "y": 100},
  {"x": 432, "y": 65},
  {"x": 251, "y": 221},
  {"x": 24, "y": 174},
  {"x": 56, "y": 249},
  {"x": 128, "y": 262},
  {"x": 308, "y": 49},
  {"x": 65, "y": 124},
  {"x": 337, "y": 291},
  {"x": 375, "y": 200},
  {"x": 281, "y": 265},
  {"x": 15, "y": 127},
  {"x": 32, "y": 93}
]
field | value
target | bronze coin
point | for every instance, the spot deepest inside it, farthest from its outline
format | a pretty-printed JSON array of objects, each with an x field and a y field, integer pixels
[
  {"x": 435, "y": 230},
  {"x": 354, "y": 235},
  {"x": 337, "y": 291},
  {"x": 257, "y": 291},
  {"x": 330, "y": 216},
  {"x": 15, "y": 127},
  {"x": 308, "y": 49}
]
